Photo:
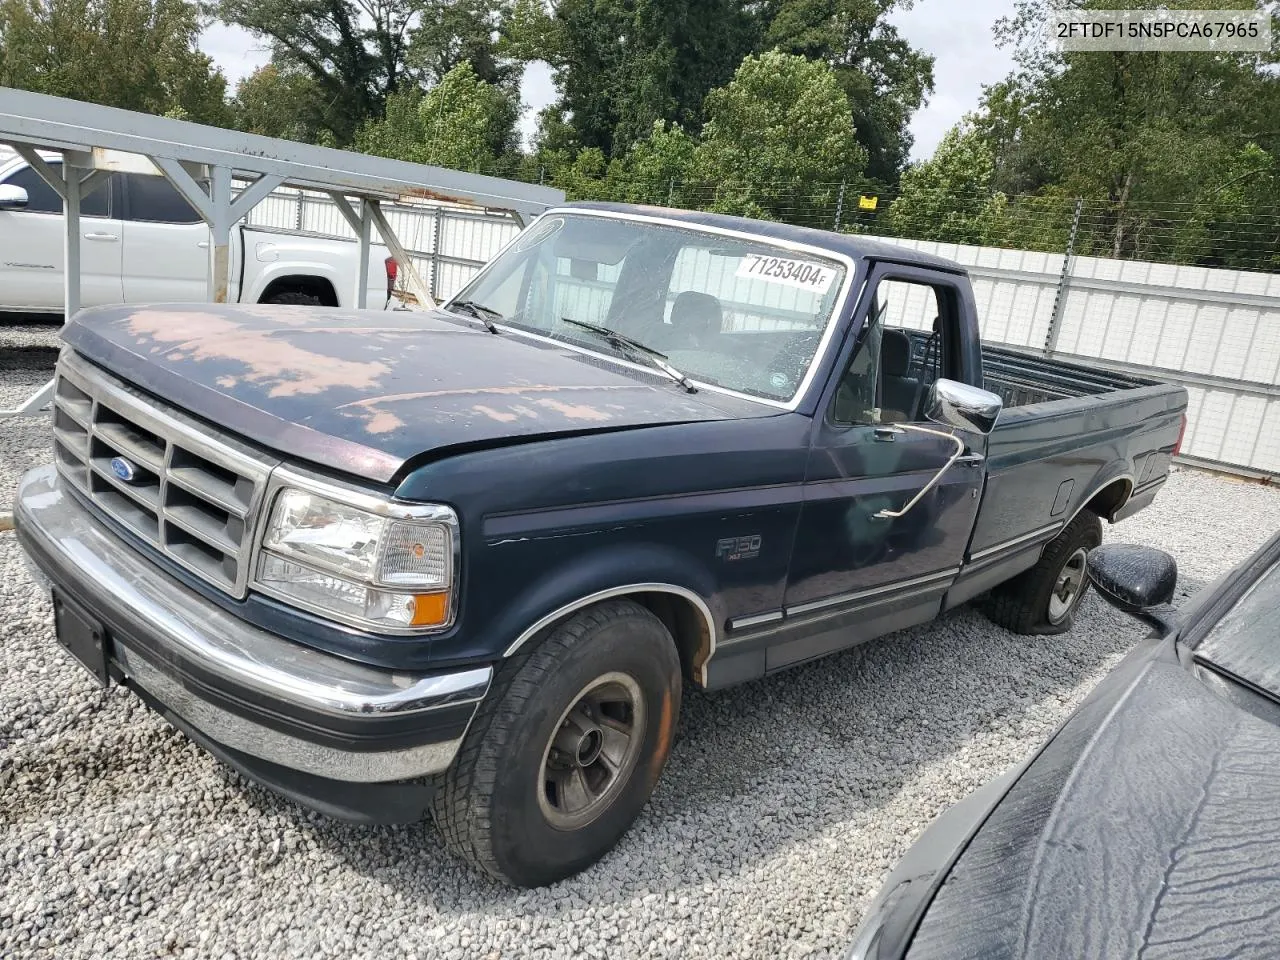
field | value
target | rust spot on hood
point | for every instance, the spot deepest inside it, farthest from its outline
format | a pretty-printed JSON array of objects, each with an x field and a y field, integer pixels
[
  {"x": 574, "y": 411},
  {"x": 471, "y": 391},
  {"x": 268, "y": 359},
  {"x": 494, "y": 414},
  {"x": 383, "y": 421},
  {"x": 378, "y": 419}
]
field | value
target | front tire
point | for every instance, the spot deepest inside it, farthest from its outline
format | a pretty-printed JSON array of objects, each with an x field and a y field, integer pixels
[
  {"x": 565, "y": 749},
  {"x": 1044, "y": 599}
]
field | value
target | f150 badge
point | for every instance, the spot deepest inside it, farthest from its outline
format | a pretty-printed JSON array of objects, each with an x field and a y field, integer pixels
[{"x": 738, "y": 548}]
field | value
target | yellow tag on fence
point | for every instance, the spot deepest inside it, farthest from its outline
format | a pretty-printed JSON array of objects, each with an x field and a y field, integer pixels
[{"x": 867, "y": 203}]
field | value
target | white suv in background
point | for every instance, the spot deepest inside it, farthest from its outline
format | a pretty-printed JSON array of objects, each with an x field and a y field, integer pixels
[{"x": 141, "y": 242}]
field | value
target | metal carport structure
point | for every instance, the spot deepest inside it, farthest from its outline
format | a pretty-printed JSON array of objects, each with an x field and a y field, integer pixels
[{"x": 203, "y": 162}]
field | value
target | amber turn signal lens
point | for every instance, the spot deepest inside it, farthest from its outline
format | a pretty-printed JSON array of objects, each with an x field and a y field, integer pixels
[{"x": 430, "y": 609}]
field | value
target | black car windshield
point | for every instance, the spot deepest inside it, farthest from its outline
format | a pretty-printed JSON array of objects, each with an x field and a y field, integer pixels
[
  {"x": 735, "y": 312},
  {"x": 1246, "y": 641}
]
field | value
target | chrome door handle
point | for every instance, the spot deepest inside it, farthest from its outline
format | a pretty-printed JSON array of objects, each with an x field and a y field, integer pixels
[
  {"x": 203, "y": 244},
  {"x": 101, "y": 236},
  {"x": 888, "y": 514},
  {"x": 970, "y": 460},
  {"x": 887, "y": 434}
]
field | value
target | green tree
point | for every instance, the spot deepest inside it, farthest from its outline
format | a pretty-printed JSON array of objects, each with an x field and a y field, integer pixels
[
  {"x": 949, "y": 197},
  {"x": 1159, "y": 144},
  {"x": 462, "y": 122},
  {"x": 621, "y": 65},
  {"x": 134, "y": 54},
  {"x": 885, "y": 78},
  {"x": 778, "y": 139},
  {"x": 450, "y": 32},
  {"x": 585, "y": 177},
  {"x": 656, "y": 170},
  {"x": 354, "y": 52},
  {"x": 277, "y": 101}
]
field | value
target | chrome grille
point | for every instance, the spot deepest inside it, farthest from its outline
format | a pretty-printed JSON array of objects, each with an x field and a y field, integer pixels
[{"x": 194, "y": 495}]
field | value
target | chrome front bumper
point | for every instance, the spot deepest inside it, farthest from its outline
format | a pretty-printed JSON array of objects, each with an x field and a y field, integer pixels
[{"x": 230, "y": 682}]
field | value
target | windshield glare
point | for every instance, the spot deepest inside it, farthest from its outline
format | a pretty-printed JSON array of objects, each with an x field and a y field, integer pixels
[{"x": 740, "y": 314}]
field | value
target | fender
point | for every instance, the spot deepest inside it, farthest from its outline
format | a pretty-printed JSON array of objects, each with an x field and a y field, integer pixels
[
  {"x": 610, "y": 572},
  {"x": 1111, "y": 473},
  {"x": 281, "y": 269}
]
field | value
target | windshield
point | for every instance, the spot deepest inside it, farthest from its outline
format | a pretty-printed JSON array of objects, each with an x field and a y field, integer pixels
[
  {"x": 1246, "y": 641},
  {"x": 741, "y": 314}
]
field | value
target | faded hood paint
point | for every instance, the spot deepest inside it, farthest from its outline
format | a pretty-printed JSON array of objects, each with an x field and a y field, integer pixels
[{"x": 362, "y": 392}]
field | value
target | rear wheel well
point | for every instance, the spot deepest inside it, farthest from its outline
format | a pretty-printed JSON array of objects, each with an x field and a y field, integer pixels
[
  {"x": 1111, "y": 498},
  {"x": 317, "y": 287}
]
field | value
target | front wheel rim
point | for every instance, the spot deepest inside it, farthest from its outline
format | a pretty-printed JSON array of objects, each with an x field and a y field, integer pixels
[
  {"x": 1068, "y": 587},
  {"x": 591, "y": 752}
]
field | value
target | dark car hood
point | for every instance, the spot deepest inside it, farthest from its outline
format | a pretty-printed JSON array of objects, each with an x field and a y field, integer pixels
[
  {"x": 363, "y": 392},
  {"x": 1150, "y": 826}
]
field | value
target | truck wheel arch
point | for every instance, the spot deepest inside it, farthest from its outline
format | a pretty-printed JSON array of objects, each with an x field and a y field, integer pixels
[
  {"x": 310, "y": 285},
  {"x": 1109, "y": 498},
  {"x": 682, "y": 611}
]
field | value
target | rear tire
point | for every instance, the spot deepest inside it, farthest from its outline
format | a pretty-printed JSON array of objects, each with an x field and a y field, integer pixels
[
  {"x": 548, "y": 738},
  {"x": 1044, "y": 599},
  {"x": 296, "y": 297}
]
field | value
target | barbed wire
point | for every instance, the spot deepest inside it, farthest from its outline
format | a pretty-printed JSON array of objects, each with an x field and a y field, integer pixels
[{"x": 1206, "y": 231}]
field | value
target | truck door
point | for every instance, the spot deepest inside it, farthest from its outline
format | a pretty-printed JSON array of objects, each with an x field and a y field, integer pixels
[
  {"x": 855, "y": 573},
  {"x": 166, "y": 243},
  {"x": 31, "y": 251}
]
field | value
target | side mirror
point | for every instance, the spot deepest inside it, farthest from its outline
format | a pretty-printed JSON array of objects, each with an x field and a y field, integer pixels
[
  {"x": 12, "y": 198},
  {"x": 955, "y": 404},
  {"x": 1133, "y": 579}
]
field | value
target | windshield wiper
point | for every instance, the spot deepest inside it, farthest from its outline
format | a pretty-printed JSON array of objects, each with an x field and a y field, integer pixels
[
  {"x": 627, "y": 345},
  {"x": 486, "y": 315}
]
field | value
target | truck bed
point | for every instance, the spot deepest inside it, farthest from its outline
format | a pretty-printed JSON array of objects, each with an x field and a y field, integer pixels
[
  {"x": 1022, "y": 379},
  {"x": 1068, "y": 436}
]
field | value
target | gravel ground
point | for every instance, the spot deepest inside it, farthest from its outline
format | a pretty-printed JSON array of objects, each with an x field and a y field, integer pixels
[
  {"x": 784, "y": 804},
  {"x": 28, "y": 350}
]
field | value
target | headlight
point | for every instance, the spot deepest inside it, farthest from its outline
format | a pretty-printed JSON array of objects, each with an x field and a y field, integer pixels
[{"x": 380, "y": 565}]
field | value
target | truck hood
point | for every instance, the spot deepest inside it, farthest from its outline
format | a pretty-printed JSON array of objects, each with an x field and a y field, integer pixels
[
  {"x": 1145, "y": 828},
  {"x": 363, "y": 392}
]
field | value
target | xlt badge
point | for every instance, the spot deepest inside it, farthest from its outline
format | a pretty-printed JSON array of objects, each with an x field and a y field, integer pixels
[{"x": 738, "y": 548}]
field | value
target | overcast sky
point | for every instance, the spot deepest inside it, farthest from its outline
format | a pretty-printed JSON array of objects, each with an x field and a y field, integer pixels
[{"x": 956, "y": 32}]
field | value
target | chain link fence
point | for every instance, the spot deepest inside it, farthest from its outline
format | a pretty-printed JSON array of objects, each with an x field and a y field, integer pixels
[{"x": 1219, "y": 230}]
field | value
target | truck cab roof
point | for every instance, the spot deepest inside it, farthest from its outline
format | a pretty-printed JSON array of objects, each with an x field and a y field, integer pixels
[{"x": 850, "y": 244}]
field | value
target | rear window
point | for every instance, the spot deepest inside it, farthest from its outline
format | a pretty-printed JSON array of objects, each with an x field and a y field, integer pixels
[{"x": 156, "y": 200}]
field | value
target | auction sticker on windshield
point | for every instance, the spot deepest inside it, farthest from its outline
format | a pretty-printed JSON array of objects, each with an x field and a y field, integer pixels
[{"x": 794, "y": 273}]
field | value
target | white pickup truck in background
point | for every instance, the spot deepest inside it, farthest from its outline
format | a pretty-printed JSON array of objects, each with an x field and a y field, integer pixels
[{"x": 143, "y": 243}]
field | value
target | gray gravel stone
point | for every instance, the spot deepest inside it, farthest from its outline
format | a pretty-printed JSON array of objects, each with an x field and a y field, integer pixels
[
  {"x": 28, "y": 352},
  {"x": 784, "y": 804}
]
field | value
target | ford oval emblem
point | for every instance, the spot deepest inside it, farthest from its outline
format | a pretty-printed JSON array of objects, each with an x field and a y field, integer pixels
[{"x": 123, "y": 469}]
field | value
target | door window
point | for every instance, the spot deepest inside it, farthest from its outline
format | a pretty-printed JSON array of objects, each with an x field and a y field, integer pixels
[
  {"x": 857, "y": 396},
  {"x": 156, "y": 200},
  {"x": 42, "y": 198},
  {"x": 902, "y": 352}
]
